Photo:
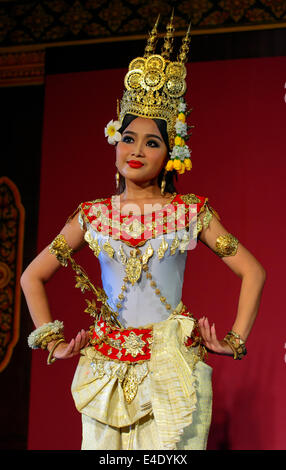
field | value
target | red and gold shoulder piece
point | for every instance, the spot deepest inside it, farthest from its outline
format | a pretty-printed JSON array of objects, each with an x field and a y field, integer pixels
[
  {"x": 203, "y": 209},
  {"x": 191, "y": 198},
  {"x": 94, "y": 212},
  {"x": 201, "y": 201},
  {"x": 88, "y": 210},
  {"x": 104, "y": 216},
  {"x": 86, "y": 206}
]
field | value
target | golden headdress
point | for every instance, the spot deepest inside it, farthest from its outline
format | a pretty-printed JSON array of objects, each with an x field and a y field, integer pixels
[{"x": 154, "y": 88}]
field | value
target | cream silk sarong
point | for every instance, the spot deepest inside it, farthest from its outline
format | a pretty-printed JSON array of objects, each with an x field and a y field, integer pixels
[{"x": 172, "y": 406}]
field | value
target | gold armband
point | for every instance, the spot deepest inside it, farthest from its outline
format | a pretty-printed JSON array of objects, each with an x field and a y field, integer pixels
[
  {"x": 236, "y": 344},
  {"x": 61, "y": 249},
  {"x": 226, "y": 245}
]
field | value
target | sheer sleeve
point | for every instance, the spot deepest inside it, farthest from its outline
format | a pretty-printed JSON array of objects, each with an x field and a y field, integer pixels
[
  {"x": 81, "y": 217},
  {"x": 205, "y": 215}
]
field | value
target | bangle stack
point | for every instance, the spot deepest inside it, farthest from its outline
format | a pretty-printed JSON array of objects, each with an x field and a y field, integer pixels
[
  {"x": 236, "y": 344},
  {"x": 42, "y": 336}
]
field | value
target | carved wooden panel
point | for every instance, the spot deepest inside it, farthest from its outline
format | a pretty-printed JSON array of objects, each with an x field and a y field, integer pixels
[{"x": 12, "y": 216}]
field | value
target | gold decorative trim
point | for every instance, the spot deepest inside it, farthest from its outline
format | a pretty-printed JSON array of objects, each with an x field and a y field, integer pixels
[
  {"x": 142, "y": 37},
  {"x": 19, "y": 68},
  {"x": 24, "y": 64}
]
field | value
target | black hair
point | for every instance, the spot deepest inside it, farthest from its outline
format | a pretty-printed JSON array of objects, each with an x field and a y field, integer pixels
[{"x": 170, "y": 175}]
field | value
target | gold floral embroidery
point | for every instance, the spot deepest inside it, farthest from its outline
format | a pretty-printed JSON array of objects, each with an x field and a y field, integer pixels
[
  {"x": 175, "y": 244},
  {"x": 131, "y": 381},
  {"x": 147, "y": 254},
  {"x": 133, "y": 344},
  {"x": 129, "y": 376},
  {"x": 207, "y": 217},
  {"x": 184, "y": 242},
  {"x": 93, "y": 243},
  {"x": 115, "y": 343},
  {"x": 190, "y": 198},
  {"x": 208, "y": 213},
  {"x": 162, "y": 248},
  {"x": 108, "y": 248},
  {"x": 121, "y": 255}
]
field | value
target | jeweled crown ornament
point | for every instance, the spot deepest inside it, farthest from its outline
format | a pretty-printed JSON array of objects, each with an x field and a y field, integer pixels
[{"x": 155, "y": 87}]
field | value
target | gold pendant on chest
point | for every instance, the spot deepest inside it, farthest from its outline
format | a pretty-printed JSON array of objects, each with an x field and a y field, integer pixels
[
  {"x": 133, "y": 267},
  {"x": 136, "y": 263}
]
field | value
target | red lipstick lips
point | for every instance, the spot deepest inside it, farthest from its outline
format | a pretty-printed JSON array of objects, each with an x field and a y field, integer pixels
[{"x": 135, "y": 164}]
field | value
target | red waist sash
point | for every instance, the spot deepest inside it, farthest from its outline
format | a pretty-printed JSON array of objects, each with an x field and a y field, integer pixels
[{"x": 131, "y": 344}]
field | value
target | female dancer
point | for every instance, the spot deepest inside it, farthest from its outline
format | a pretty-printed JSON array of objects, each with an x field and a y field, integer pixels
[{"x": 141, "y": 382}]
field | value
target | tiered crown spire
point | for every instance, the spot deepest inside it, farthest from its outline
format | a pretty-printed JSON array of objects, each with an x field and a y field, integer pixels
[{"x": 154, "y": 84}]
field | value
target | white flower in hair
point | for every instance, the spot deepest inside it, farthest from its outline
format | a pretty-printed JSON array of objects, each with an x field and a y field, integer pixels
[{"x": 111, "y": 132}]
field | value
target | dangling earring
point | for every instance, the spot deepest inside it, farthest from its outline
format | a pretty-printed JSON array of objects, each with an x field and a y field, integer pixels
[
  {"x": 163, "y": 183},
  {"x": 117, "y": 176}
]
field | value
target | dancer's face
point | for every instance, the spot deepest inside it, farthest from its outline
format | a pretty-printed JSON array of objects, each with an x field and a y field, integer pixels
[{"x": 141, "y": 153}]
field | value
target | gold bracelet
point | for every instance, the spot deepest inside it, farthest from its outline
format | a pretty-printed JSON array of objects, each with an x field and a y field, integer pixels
[
  {"x": 52, "y": 359},
  {"x": 49, "y": 338},
  {"x": 236, "y": 344}
]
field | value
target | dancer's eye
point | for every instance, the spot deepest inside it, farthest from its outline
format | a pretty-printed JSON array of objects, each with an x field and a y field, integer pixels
[
  {"x": 152, "y": 143},
  {"x": 127, "y": 139}
]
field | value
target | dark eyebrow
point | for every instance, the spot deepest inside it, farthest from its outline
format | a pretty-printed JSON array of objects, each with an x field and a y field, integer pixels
[
  {"x": 154, "y": 135},
  {"x": 147, "y": 135}
]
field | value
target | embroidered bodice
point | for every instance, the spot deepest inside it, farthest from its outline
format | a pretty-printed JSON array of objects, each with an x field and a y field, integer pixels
[{"x": 143, "y": 257}]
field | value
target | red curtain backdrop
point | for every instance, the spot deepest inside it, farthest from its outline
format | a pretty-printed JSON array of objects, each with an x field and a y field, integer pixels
[{"x": 238, "y": 162}]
